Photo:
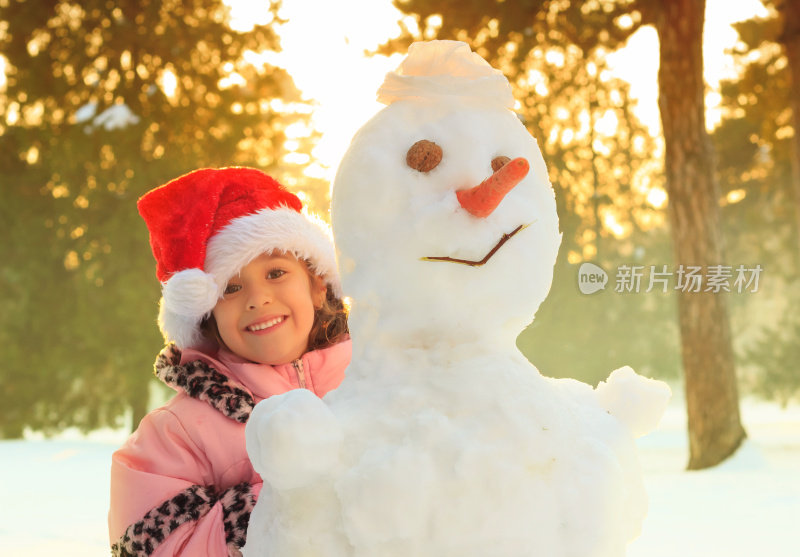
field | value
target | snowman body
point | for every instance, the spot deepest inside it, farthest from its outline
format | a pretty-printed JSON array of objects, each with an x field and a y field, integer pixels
[{"x": 443, "y": 440}]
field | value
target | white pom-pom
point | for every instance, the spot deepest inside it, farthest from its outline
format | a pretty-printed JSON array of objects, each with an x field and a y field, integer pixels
[
  {"x": 190, "y": 293},
  {"x": 180, "y": 329},
  {"x": 636, "y": 401},
  {"x": 293, "y": 439}
]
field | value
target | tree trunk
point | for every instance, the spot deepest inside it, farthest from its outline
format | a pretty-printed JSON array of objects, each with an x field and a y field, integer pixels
[
  {"x": 790, "y": 38},
  {"x": 712, "y": 401}
]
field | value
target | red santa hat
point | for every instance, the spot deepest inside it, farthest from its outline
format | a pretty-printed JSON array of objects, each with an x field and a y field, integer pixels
[{"x": 208, "y": 224}]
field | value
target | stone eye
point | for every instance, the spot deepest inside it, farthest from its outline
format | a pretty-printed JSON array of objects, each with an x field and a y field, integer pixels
[
  {"x": 424, "y": 155},
  {"x": 499, "y": 162}
]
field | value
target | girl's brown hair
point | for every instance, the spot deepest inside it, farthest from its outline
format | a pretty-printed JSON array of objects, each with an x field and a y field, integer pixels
[
  {"x": 329, "y": 326},
  {"x": 330, "y": 323}
]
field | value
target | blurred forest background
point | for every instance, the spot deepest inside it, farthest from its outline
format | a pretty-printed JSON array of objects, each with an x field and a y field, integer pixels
[{"x": 105, "y": 100}]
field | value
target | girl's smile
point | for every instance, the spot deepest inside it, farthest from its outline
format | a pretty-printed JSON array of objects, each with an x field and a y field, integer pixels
[{"x": 266, "y": 326}]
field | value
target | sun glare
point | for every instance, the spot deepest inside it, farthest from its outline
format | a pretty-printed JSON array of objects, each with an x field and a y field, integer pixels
[
  {"x": 2, "y": 73},
  {"x": 611, "y": 223},
  {"x": 323, "y": 50},
  {"x": 169, "y": 83},
  {"x": 657, "y": 198},
  {"x": 735, "y": 196},
  {"x": 246, "y": 14},
  {"x": 638, "y": 62},
  {"x": 607, "y": 125}
]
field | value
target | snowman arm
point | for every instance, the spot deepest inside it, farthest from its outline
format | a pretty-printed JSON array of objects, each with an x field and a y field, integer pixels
[{"x": 636, "y": 401}]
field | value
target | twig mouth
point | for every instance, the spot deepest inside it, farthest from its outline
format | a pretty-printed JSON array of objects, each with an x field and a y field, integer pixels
[{"x": 505, "y": 238}]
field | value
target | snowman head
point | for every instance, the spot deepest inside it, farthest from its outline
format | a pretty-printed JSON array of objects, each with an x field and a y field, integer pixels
[{"x": 443, "y": 214}]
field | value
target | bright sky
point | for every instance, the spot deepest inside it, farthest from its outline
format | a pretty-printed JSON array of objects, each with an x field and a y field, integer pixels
[
  {"x": 638, "y": 62},
  {"x": 324, "y": 42},
  {"x": 323, "y": 50}
]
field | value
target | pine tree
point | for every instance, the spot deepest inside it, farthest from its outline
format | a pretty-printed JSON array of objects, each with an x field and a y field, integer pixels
[{"x": 104, "y": 101}]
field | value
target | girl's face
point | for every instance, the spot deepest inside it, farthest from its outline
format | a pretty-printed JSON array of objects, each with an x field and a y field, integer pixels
[{"x": 267, "y": 311}]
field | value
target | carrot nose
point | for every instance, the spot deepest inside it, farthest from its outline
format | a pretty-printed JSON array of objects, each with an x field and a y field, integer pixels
[{"x": 484, "y": 198}]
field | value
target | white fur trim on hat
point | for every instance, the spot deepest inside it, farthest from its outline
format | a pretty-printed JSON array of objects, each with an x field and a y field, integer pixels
[
  {"x": 190, "y": 295},
  {"x": 280, "y": 229}
]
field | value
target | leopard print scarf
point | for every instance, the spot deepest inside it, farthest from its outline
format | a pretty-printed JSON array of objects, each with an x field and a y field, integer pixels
[{"x": 203, "y": 382}]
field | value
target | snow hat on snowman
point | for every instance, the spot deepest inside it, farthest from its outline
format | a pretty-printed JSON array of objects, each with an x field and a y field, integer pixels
[
  {"x": 437, "y": 69},
  {"x": 208, "y": 224}
]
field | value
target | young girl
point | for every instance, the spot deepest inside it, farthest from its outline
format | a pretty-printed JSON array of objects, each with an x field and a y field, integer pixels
[{"x": 251, "y": 303}]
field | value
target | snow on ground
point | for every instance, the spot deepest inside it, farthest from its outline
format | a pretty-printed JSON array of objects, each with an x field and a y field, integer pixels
[
  {"x": 54, "y": 493},
  {"x": 748, "y": 506},
  {"x": 54, "y": 497}
]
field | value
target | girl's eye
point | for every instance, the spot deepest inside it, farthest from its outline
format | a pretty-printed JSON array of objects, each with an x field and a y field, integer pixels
[
  {"x": 275, "y": 273},
  {"x": 232, "y": 288}
]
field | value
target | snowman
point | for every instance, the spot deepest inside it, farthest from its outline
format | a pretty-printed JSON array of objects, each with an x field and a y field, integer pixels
[{"x": 443, "y": 440}]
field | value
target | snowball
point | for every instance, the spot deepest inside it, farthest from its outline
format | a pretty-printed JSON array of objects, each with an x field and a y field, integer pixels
[
  {"x": 636, "y": 401},
  {"x": 292, "y": 439}
]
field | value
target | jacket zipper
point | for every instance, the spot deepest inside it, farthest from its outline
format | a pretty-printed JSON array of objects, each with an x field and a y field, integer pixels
[{"x": 301, "y": 377}]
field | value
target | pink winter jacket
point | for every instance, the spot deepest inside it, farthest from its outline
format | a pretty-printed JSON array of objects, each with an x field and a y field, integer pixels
[{"x": 183, "y": 483}]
